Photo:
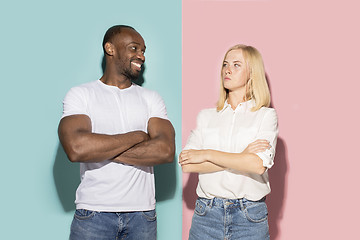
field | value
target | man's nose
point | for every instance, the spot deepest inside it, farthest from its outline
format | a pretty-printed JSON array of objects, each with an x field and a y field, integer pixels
[{"x": 141, "y": 56}]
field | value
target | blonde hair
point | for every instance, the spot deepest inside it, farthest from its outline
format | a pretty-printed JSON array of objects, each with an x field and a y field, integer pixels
[{"x": 256, "y": 87}]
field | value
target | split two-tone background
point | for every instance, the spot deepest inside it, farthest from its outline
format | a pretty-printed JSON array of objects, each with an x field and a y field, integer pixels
[{"x": 311, "y": 53}]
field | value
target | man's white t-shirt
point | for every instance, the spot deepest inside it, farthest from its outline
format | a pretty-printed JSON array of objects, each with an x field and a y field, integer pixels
[{"x": 108, "y": 186}]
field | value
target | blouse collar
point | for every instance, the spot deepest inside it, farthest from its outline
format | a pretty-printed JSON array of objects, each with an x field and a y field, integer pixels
[{"x": 244, "y": 106}]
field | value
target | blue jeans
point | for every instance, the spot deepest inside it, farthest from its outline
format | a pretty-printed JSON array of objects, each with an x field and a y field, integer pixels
[
  {"x": 229, "y": 219},
  {"x": 91, "y": 225}
]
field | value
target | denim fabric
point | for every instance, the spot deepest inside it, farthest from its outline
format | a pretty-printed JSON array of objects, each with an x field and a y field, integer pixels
[
  {"x": 91, "y": 225},
  {"x": 229, "y": 219}
]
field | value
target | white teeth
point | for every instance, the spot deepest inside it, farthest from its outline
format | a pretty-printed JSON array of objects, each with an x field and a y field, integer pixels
[{"x": 137, "y": 64}]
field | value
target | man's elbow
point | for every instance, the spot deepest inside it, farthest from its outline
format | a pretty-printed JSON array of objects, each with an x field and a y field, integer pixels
[
  {"x": 167, "y": 152},
  {"x": 73, "y": 156},
  {"x": 74, "y": 153}
]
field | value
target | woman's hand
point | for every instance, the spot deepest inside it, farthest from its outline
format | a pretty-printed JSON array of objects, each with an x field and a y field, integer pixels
[
  {"x": 193, "y": 156},
  {"x": 257, "y": 146}
]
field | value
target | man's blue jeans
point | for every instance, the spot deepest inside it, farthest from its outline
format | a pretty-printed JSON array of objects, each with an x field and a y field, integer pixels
[
  {"x": 91, "y": 225},
  {"x": 229, "y": 219}
]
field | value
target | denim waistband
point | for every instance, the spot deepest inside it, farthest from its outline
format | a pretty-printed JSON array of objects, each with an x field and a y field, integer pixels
[{"x": 221, "y": 202}]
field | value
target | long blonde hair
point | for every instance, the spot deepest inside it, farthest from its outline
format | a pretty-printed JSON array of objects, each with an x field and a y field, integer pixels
[{"x": 256, "y": 86}]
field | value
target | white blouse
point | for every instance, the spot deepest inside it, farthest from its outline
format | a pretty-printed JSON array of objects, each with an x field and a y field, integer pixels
[{"x": 232, "y": 131}]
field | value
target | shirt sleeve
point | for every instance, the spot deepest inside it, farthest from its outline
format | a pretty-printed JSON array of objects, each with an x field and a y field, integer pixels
[
  {"x": 269, "y": 131},
  {"x": 74, "y": 103},
  {"x": 158, "y": 108},
  {"x": 195, "y": 140}
]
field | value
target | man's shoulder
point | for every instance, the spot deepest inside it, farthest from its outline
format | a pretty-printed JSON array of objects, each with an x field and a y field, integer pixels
[
  {"x": 145, "y": 92},
  {"x": 87, "y": 85}
]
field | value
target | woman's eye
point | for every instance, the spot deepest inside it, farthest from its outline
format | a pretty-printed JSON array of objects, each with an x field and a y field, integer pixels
[{"x": 236, "y": 65}]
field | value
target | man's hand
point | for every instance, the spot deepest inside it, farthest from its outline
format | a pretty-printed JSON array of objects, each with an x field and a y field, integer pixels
[{"x": 159, "y": 149}]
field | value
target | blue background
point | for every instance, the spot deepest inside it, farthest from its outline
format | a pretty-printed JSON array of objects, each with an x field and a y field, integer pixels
[{"x": 46, "y": 48}]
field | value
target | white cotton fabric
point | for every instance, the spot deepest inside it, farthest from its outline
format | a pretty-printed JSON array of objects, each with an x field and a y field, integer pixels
[
  {"x": 232, "y": 131},
  {"x": 109, "y": 186}
]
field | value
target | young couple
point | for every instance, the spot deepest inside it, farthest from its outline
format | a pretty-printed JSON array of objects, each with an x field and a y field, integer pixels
[{"x": 118, "y": 131}]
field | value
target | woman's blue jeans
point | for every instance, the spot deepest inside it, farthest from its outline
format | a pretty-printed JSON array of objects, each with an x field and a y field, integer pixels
[
  {"x": 91, "y": 225},
  {"x": 219, "y": 218}
]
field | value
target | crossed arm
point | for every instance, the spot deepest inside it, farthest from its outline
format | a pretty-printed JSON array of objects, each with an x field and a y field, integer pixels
[
  {"x": 206, "y": 161},
  {"x": 135, "y": 148}
]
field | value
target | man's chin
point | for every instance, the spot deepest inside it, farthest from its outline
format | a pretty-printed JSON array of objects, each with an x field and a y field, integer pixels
[{"x": 132, "y": 76}]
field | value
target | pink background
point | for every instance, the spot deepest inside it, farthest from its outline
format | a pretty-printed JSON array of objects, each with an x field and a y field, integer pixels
[{"x": 311, "y": 53}]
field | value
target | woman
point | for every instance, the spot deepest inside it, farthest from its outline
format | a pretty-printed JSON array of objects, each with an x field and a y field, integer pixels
[{"x": 232, "y": 148}]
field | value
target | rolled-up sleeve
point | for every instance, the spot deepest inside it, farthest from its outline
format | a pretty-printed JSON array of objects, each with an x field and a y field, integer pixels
[{"x": 269, "y": 131}]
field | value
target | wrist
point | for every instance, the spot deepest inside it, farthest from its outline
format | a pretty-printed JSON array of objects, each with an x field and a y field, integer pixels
[{"x": 208, "y": 154}]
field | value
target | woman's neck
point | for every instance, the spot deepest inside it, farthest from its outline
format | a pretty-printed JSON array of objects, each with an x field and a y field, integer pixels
[{"x": 235, "y": 98}]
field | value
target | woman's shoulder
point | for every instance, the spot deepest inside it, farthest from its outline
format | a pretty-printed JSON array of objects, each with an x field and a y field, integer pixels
[
  {"x": 206, "y": 114},
  {"x": 267, "y": 109},
  {"x": 268, "y": 113}
]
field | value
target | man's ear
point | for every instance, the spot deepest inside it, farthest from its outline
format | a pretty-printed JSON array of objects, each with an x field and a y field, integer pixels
[{"x": 109, "y": 48}]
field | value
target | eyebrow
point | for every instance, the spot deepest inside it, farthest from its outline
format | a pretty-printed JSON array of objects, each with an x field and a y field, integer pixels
[{"x": 236, "y": 61}]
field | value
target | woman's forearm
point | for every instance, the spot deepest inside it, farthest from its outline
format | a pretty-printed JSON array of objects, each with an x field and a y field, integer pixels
[
  {"x": 244, "y": 162},
  {"x": 204, "y": 167}
]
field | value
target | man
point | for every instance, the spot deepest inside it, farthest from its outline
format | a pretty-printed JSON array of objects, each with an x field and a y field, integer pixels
[{"x": 118, "y": 131}]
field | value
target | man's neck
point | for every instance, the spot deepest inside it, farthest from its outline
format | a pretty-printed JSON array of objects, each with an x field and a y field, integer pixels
[{"x": 115, "y": 80}]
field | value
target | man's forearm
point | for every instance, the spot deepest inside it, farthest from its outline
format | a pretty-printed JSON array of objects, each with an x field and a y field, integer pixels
[
  {"x": 149, "y": 153},
  {"x": 90, "y": 147}
]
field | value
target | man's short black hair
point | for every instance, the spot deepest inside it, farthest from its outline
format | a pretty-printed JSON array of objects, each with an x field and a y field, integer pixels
[{"x": 112, "y": 32}]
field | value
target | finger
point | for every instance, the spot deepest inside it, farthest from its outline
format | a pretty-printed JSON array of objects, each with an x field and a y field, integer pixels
[
  {"x": 261, "y": 144},
  {"x": 258, "y": 149},
  {"x": 182, "y": 158},
  {"x": 261, "y": 141}
]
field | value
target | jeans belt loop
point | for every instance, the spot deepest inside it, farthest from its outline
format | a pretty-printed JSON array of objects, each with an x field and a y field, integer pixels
[
  {"x": 211, "y": 203},
  {"x": 241, "y": 204}
]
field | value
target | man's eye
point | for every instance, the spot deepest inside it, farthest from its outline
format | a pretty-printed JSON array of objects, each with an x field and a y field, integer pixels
[
  {"x": 134, "y": 48},
  {"x": 236, "y": 65}
]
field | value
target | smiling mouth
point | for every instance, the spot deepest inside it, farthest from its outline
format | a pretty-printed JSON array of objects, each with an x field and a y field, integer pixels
[{"x": 137, "y": 65}]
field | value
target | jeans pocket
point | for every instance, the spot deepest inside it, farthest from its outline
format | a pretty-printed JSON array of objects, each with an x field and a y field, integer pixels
[
  {"x": 200, "y": 207},
  {"x": 149, "y": 215},
  {"x": 83, "y": 214},
  {"x": 256, "y": 212}
]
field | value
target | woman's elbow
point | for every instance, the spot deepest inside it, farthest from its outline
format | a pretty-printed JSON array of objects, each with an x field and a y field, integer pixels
[
  {"x": 261, "y": 170},
  {"x": 186, "y": 168}
]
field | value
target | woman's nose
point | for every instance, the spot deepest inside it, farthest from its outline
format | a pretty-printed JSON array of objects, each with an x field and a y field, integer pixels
[{"x": 227, "y": 70}]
